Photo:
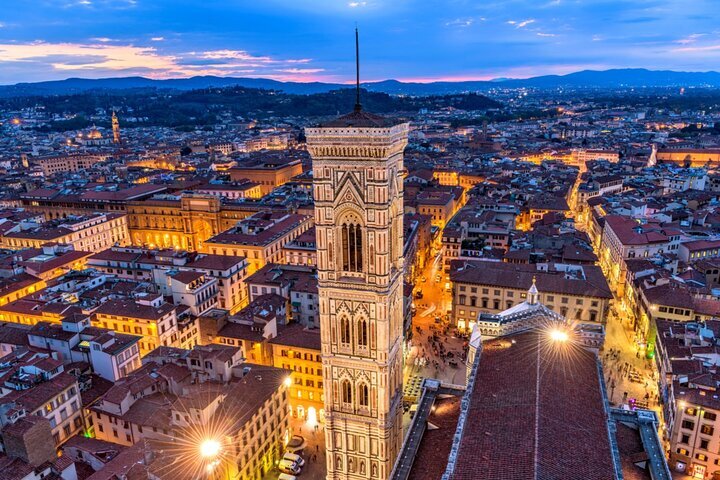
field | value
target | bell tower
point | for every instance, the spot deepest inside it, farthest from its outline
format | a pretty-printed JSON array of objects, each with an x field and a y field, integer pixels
[
  {"x": 115, "y": 128},
  {"x": 358, "y": 191}
]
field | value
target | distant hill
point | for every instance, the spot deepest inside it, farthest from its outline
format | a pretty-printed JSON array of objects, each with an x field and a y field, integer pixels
[{"x": 617, "y": 78}]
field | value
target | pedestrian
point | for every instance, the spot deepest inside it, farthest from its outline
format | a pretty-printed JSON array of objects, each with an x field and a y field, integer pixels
[{"x": 317, "y": 448}]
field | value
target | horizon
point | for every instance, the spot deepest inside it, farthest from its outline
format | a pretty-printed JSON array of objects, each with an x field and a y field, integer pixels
[
  {"x": 405, "y": 40},
  {"x": 351, "y": 83}
]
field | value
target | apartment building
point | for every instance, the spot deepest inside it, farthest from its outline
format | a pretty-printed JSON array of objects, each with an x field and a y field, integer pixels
[
  {"x": 159, "y": 402},
  {"x": 143, "y": 264},
  {"x": 268, "y": 171},
  {"x": 297, "y": 349},
  {"x": 147, "y": 316},
  {"x": 260, "y": 238},
  {"x": 93, "y": 232},
  {"x": 577, "y": 292},
  {"x": 37, "y": 384},
  {"x": 111, "y": 355},
  {"x": 624, "y": 237}
]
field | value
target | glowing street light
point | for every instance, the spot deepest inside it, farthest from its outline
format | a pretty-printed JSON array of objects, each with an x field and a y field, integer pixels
[
  {"x": 558, "y": 335},
  {"x": 209, "y": 448}
]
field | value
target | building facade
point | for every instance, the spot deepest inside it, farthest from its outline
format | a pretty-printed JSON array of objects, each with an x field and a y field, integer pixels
[{"x": 358, "y": 191}]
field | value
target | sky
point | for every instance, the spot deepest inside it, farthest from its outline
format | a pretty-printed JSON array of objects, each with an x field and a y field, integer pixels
[{"x": 313, "y": 40}]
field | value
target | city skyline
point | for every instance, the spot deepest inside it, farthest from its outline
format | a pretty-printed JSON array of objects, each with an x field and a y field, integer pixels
[{"x": 406, "y": 40}]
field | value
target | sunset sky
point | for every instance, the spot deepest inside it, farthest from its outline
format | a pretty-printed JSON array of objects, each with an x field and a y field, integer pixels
[{"x": 307, "y": 40}]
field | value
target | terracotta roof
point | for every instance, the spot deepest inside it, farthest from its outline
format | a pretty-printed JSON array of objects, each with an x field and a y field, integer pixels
[
  {"x": 360, "y": 119},
  {"x": 520, "y": 276},
  {"x": 295, "y": 335},
  {"x": 534, "y": 414}
]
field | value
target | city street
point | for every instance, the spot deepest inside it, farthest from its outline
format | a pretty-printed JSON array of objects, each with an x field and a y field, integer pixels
[
  {"x": 629, "y": 376},
  {"x": 313, "y": 453},
  {"x": 441, "y": 357}
]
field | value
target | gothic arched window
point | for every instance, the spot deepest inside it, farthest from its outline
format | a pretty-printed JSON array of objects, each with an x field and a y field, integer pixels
[
  {"x": 346, "y": 391},
  {"x": 363, "y": 395},
  {"x": 345, "y": 330},
  {"x": 363, "y": 333},
  {"x": 352, "y": 247}
]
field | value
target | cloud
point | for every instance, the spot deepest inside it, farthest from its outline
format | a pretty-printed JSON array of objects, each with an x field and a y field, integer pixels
[
  {"x": 692, "y": 38},
  {"x": 103, "y": 58},
  {"x": 302, "y": 71},
  {"x": 521, "y": 24},
  {"x": 703, "y": 48},
  {"x": 541, "y": 34},
  {"x": 460, "y": 22},
  {"x": 157, "y": 39},
  {"x": 103, "y": 39},
  {"x": 357, "y": 4}
]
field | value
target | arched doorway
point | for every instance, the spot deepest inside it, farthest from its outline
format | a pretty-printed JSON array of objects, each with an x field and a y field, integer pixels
[{"x": 201, "y": 231}]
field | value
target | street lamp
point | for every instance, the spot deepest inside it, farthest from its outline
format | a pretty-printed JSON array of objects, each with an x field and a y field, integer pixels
[
  {"x": 210, "y": 451},
  {"x": 558, "y": 335},
  {"x": 209, "y": 448}
]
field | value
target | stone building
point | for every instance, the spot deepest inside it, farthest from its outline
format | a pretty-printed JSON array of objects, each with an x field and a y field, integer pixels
[{"x": 358, "y": 190}]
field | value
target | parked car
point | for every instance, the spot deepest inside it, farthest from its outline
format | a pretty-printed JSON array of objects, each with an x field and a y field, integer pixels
[
  {"x": 297, "y": 459},
  {"x": 288, "y": 467}
]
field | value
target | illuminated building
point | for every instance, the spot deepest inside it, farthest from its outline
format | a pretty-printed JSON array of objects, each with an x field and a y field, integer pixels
[
  {"x": 181, "y": 399},
  {"x": 50, "y": 261},
  {"x": 142, "y": 264},
  {"x": 35, "y": 384},
  {"x": 19, "y": 286},
  {"x": 233, "y": 191},
  {"x": 267, "y": 170},
  {"x": 183, "y": 221},
  {"x": 69, "y": 163},
  {"x": 116, "y": 128},
  {"x": 147, "y": 316},
  {"x": 446, "y": 177},
  {"x": 624, "y": 237},
  {"x": 358, "y": 191},
  {"x": 689, "y": 157},
  {"x": 577, "y": 292},
  {"x": 298, "y": 350},
  {"x": 59, "y": 203},
  {"x": 440, "y": 206},
  {"x": 688, "y": 389},
  {"x": 93, "y": 232},
  {"x": 302, "y": 250},
  {"x": 260, "y": 238}
]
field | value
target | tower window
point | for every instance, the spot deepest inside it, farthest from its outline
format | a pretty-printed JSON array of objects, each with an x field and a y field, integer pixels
[
  {"x": 363, "y": 395},
  {"x": 345, "y": 330},
  {"x": 346, "y": 392},
  {"x": 352, "y": 247},
  {"x": 362, "y": 333}
]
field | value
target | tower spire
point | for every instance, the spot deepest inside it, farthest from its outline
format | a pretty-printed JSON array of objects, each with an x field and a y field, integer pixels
[{"x": 358, "y": 107}]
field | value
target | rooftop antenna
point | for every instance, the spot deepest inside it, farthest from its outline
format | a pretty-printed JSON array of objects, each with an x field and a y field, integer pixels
[{"x": 358, "y": 107}]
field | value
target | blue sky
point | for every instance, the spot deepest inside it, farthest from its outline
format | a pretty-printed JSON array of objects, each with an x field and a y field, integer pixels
[{"x": 306, "y": 40}]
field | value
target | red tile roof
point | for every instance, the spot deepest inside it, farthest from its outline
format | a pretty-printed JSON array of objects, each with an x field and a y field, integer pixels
[{"x": 535, "y": 413}]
